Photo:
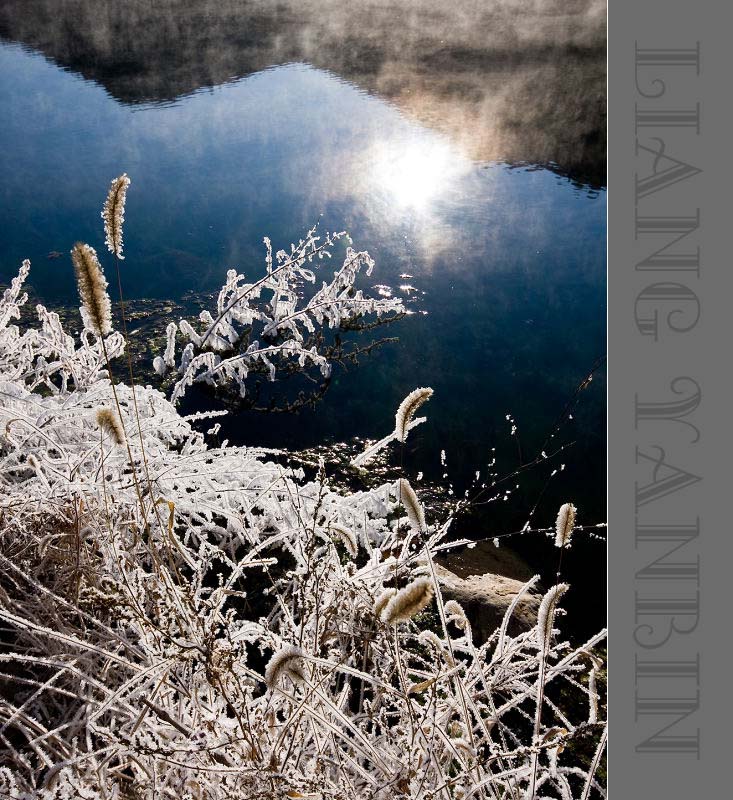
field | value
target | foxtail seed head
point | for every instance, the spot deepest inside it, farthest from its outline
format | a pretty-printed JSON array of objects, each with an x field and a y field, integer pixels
[
  {"x": 408, "y": 601},
  {"x": 113, "y": 214},
  {"x": 286, "y": 662},
  {"x": 407, "y": 409},
  {"x": 96, "y": 309},
  {"x": 111, "y": 424},
  {"x": 564, "y": 525}
]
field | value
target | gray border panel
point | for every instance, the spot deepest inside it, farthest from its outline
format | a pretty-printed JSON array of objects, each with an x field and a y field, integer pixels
[{"x": 670, "y": 345}]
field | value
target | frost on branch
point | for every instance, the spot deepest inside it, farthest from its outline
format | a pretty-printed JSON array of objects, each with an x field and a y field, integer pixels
[
  {"x": 267, "y": 327},
  {"x": 46, "y": 356}
]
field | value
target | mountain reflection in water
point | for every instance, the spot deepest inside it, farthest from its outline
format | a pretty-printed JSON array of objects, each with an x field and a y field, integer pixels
[{"x": 510, "y": 80}]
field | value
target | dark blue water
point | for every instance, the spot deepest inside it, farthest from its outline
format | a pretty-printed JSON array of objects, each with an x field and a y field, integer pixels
[{"x": 507, "y": 261}]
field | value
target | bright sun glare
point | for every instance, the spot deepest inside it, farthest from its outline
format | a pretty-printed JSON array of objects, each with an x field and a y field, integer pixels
[{"x": 413, "y": 174}]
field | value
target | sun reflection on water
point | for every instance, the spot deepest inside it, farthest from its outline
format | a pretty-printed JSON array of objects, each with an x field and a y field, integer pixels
[{"x": 412, "y": 174}]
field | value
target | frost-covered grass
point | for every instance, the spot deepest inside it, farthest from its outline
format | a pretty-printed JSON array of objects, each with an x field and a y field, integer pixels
[{"x": 187, "y": 622}]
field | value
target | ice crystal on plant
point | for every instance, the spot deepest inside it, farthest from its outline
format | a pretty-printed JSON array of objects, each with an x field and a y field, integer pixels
[
  {"x": 96, "y": 306},
  {"x": 287, "y": 662},
  {"x": 408, "y": 602},
  {"x": 110, "y": 423},
  {"x": 413, "y": 507},
  {"x": 265, "y": 326},
  {"x": 152, "y": 593},
  {"x": 113, "y": 214},
  {"x": 564, "y": 525},
  {"x": 407, "y": 409}
]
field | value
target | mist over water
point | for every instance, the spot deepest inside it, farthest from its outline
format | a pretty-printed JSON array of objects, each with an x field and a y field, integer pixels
[
  {"x": 514, "y": 80},
  {"x": 462, "y": 144}
]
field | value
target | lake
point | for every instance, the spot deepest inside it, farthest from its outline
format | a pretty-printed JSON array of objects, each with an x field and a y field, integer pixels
[{"x": 464, "y": 148}]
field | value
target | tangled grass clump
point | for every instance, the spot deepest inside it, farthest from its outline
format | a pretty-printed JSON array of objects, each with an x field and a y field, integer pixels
[{"x": 198, "y": 623}]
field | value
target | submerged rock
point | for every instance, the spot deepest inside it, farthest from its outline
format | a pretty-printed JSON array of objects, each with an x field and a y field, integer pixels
[
  {"x": 485, "y": 599},
  {"x": 482, "y": 557}
]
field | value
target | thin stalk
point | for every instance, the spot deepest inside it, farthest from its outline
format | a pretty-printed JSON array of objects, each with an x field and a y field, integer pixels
[{"x": 154, "y": 505}]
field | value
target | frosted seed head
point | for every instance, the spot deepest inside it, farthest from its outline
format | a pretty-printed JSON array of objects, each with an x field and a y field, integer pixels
[
  {"x": 564, "y": 525},
  {"x": 113, "y": 214}
]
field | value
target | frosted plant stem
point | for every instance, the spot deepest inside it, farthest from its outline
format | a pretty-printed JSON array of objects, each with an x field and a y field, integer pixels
[
  {"x": 594, "y": 765},
  {"x": 403, "y": 681},
  {"x": 154, "y": 505},
  {"x": 559, "y": 566},
  {"x": 129, "y": 451},
  {"x": 444, "y": 624},
  {"x": 78, "y": 548}
]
